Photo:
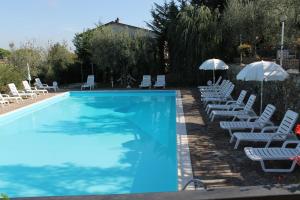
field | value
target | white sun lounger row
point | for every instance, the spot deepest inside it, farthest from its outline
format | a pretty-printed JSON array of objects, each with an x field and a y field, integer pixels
[
  {"x": 257, "y": 129},
  {"x": 28, "y": 92}
]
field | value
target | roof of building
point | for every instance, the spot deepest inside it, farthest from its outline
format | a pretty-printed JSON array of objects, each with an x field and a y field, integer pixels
[{"x": 117, "y": 22}]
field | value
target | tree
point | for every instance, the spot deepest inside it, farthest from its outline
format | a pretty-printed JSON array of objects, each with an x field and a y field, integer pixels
[
  {"x": 82, "y": 42},
  {"x": 4, "y": 53},
  {"x": 58, "y": 61},
  {"x": 9, "y": 74},
  {"x": 190, "y": 34},
  {"x": 118, "y": 53},
  {"x": 28, "y": 53}
]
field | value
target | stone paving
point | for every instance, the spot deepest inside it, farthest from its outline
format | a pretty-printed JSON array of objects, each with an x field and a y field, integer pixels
[
  {"x": 13, "y": 106},
  {"x": 213, "y": 158}
]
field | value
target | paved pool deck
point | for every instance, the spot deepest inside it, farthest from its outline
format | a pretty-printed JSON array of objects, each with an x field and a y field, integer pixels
[
  {"x": 13, "y": 105},
  {"x": 213, "y": 158}
]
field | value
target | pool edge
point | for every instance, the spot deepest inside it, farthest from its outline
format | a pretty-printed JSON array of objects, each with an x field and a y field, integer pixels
[
  {"x": 33, "y": 104},
  {"x": 184, "y": 165}
]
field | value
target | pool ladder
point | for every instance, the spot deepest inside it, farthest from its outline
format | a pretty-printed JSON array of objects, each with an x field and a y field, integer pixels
[{"x": 197, "y": 183}]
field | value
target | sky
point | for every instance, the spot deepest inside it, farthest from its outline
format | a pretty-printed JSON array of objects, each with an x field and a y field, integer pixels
[{"x": 42, "y": 21}]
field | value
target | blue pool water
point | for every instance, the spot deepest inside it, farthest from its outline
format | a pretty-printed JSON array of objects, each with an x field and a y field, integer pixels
[{"x": 85, "y": 143}]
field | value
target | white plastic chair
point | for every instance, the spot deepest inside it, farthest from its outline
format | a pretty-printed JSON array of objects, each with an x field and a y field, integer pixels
[
  {"x": 90, "y": 82},
  {"x": 217, "y": 84},
  {"x": 229, "y": 104},
  {"x": 219, "y": 99},
  {"x": 146, "y": 82},
  {"x": 6, "y": 97},
  {"x": 280, "y": 133},
  {"x": 237, "y": 110},
  {"x": 275, "y": 154},
  {"x": 160, "y": 81},
  {"x": 216, "y": 92},
  {"x": 29, "y": 89},
  {"x": 14, "y": 91},
  {"x": 259, "y": 123},
  {"x": 40, "y": 85}
]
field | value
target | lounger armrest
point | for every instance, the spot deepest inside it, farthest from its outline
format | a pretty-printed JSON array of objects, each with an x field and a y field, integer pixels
[
  {"x": 45, "y": 85},
  {"x": 274, "y": 137},
  {"x": 5, "y": 95},
  {"x": 230, "y": 102},
  {"x": 21, "y": 91},
  {"x": 270, "y": 123},
  {"x": 268, "y": 128},
  {"x": 33, "y": 88},
  {"x": 252, "y": 118},
  {"x": 291, "y": 142},
  {"x": 237, "y": 108}
]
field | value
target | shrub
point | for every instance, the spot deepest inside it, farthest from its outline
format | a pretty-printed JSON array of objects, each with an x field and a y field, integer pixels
[{"x": 9, "y": 74}]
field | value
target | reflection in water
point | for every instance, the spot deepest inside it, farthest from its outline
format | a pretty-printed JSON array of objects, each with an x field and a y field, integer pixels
[{"x": 99, "y": 144}]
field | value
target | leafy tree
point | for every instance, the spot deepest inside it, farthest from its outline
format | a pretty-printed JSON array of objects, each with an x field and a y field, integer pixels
[
  {"x": 27, "y": 54},
  {"x": 4, "y": 53},
  {"x": 82, "y": 42},
  {"x": 191, "y": 35},
  {"x": 58, "y": 61},
  {"x": 119, "y": 53},
  {"x": 9, "y": 74}
]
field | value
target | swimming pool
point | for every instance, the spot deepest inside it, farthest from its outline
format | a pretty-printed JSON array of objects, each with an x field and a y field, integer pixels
[{"x": 82, "y": 143}]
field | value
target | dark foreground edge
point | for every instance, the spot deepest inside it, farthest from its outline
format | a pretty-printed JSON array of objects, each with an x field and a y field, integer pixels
[{"x": 274, "y": 192}]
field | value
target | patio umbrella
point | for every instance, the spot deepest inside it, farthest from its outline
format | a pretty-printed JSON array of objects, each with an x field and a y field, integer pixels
[
  {"x": 213, "y": 64},
  {"x": 28, "y": 73},
  {"x": 262, "y": 71}
]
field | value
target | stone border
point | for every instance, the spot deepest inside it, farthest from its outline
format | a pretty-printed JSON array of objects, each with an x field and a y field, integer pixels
[
  {"x": 185, "y": 171},
  {"x": 33, "y": 104}
]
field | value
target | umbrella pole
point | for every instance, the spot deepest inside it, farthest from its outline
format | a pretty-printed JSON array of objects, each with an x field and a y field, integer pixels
[
  {"x": 261, "y": 95},
  {"x": 214, "y": 77}
]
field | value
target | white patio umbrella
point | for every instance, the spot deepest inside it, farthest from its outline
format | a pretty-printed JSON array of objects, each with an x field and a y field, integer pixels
[
  {"x": 262, "y": 71},
  {"x": 213, "y": 64},
  {"x": 28, "y": 73}
]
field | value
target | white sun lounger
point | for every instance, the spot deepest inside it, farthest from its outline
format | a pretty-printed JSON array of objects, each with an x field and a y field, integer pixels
[
  {"x": 238, "y": 110},
  {"x": 3, "y": 102},
  {"x": 228, "y": 105},
  {"x": 217, "y": 83},
  {"x": 221, "y": 98},
  {"x": 280, "y": 133},
  {"x": 90, "y": 82},
  {"x": 160, "y": 81},
  {"x": 29, "y": 89},
  {"x": 213, "y": 87},
  {"x": 275, "y": 154},
  {"x": 16, "y": 93},
  {"x": 6, "y": 97},
  {"x": 259, "y": 123},
  {"x": 42, "y": 86},
  {"x": 216, "y": 92},
  {"x": 146, "y": 82}
]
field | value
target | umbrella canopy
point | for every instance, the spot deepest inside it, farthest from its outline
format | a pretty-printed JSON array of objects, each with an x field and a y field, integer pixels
[
  {"x": 262, "y": 71},
  {"x": 213, "y": 64}
]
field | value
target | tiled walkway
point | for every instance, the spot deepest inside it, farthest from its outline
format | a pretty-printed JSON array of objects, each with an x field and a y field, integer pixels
[
  {"x": 13, "y": 106},
  {"x": 214, "y": 160}
]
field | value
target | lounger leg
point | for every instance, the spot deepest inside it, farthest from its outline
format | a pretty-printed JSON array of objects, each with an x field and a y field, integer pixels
[
  {"x": 231, "y": 139},
  {"x": 278, "y": 170},
  {"x": 230, "y": 132},
  {"x": 212, "y": 118},
  {"x": 237, "y": 144}
]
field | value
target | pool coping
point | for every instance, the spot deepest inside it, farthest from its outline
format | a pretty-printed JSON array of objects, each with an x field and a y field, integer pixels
[
  {"x": 184, "y": 164},
  {"x": 33, "y": 104}
]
